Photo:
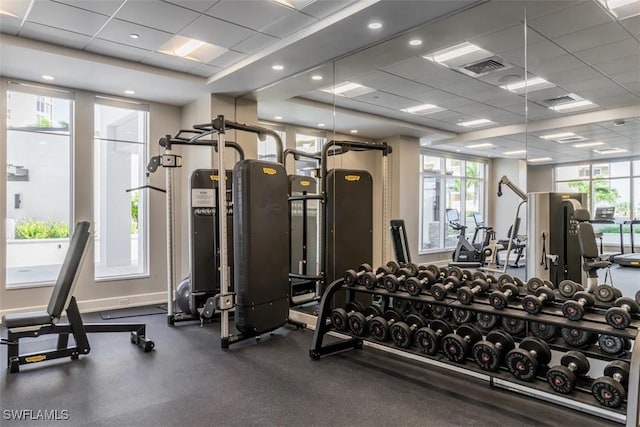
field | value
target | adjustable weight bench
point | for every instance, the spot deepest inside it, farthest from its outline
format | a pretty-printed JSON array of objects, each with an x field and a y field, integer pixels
[{"x": 35, "y": 324}]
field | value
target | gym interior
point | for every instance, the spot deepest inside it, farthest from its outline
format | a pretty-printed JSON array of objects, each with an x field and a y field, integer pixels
[{"x": 431, "y": 212}]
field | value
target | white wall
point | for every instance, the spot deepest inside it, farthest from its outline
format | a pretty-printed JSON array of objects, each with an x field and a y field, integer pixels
[
  {"x": 502, "y": 209},
  {"x": 540, "y": 178}
]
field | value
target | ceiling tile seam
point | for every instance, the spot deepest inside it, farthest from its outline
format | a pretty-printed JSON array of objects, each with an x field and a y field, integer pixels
[
  {"x": 79, "y": 7},
  {"x": 105, "y": 24},
  {"x": 188, "y": 8},
  {"x": 615, "y": 19},
  {"x": 580, "y": 59},
  {"x": 26, "y": 15},
  {"x": 54, "y": 28}
]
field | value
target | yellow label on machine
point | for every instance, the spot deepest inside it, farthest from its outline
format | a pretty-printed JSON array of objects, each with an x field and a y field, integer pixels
[
  {"x": 635, "y": 263},
  {"x": 352, "y": 178},
  {"x": 33, "y": 359},
  {"x": 305, "y": 183},
  {"x": 216, "y": 178},
  {"x": 269, "y": 171},
  {"x": 565, "y": 196}
]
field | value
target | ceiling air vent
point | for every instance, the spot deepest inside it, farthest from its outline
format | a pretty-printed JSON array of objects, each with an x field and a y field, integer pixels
[
  {"x": 576, "y": 138},
  {"x": 485, "y": 66},
  {"x": 560, "y": 100}
]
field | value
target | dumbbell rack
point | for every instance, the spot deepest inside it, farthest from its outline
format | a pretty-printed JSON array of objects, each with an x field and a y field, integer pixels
[{"x": 580, "y": 399}]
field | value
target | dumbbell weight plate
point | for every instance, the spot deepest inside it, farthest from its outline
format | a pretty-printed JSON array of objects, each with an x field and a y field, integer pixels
[
  {"x": 543, "y": 331},
  {"x": 354, "y": 306},
  {"x": 608, "y": 392},
  {"x": 413, "y": 286},
  {"x": 504, "y": 278},
  {"x": 373, "y": 310},
  {"x": 478, "y": 275},
  {"x": 434, "y": 269},
  {"x": 487, "y": 321},
  {"x": 612, "y": 344},
  {"x": 561, "y": 379},
  {"x": 468, "y": 275},
  {"x": 440, "y": 311},
  {"x": 618, "y": 318},
  {"x": 618, "y": 293},
  {"x": 379, "y": 328},
  {"x": 567, "y": 288},
  {"x": 519, "y": 283},
  {"x": 461, "y": 315},
  {"x": 455, "y": 347},
  {"x": 498, "y": 300},
  {"x": 420, "y": 308},
  {"x": 455, "y": 272},
  {"x": 444, "y": 271},
  {"x": 486, "y": 353},
  {"x": 393, "y": 266},
  {"x": 401, "y": 331},
  {"x": 339, "y": 319},
  {"x": 521, "y": 362},
  {"x": 573, "y": 310},
  {"x": 412, "y": 268},
  {"x": 357, "y": 324},
  {"x": 549, "y": 284},
  {"x": 427, "y": 339},
  {"x": 491, "y": 279},
  {"x": 638, "y": 297},
  {"x": 513, "y": 325},
  {"x": 402, "y": 305},
  {"x": 575, "y": 337},
  {"x": 604, "y": 293},
  {"x": 533, "y": 284}
]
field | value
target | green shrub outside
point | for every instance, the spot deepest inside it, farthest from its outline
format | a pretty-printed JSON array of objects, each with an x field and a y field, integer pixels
[{"x": 36, "y": 229}]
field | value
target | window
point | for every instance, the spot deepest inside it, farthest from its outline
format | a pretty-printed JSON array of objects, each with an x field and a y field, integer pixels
[
  {"x": 309, "y": 144},
  {"x": 38, "y": 188},
  {"x": 457, "y": 182},
  {"x": 120, "y": 223}
]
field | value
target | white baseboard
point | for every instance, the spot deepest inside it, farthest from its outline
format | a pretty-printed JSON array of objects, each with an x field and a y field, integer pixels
[{"x": 90, "y": 306}]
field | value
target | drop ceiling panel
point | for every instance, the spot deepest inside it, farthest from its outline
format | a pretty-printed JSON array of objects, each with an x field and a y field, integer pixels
[
  {"x": 506, "y": 40},
  {"x": 254, "y": 14},
  {"x": 117, "y": 50},
  {"x": 156, "y": 14},
  {"x": 617, "y": 101},
  {"x": 609, "y": 52},
  {"x": 228, "y": 58},
  {"x": 388, "y": 100},
  {"x": 323, "y": 8},
  {"x": 560, "y": 63},
  {"x": 289, "y": 24},
  {"x": 398, "y": 85},
  {"x": 169, "y": 61},
  {"x": 9, "y": 25},
  {"x": 593, "y": 37},
  {"x": 538, "y": 53},
  {"x": 254, "y": 43},
  {"x": 196, "y": 5},
  {"x": 572, "y": 19},
  {"x": 54, "y": 35},
  {"x": 103, "y": 7},
  {"x": 574, "y": 75},
  {"x": 619, "y": 65},
  {"x": 599, "y": 83},
  {"x": 216, "y": 32},
  {"x": 632, "y": 24},
  {"x": 65, "y": 17},
  {"x": 204, "y": 70},
  {"x": 119, "y": 31}
]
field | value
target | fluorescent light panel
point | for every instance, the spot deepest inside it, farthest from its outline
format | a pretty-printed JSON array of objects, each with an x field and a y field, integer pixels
[
  {"x": 192, "y": 49},
  {"x": 610, "y": 151},
  {"x": 456, "y": 51},
  {"x": 481, "y": 145},
  {"x": 540, "y": 159},
  {"x": 472, "y": 123},
  {"x": 349, "y": 89},
  {"x": 535, "y": 83},
  {"x": 622, "y": 9},
  {"x": 555, "y": 136},
  {"x": 587, "y": 144},
  {"x": 508, "y": 153},
  {"x": 424, "y": 109},
  {"x": 572, "y": 105},
  {"x": 295, "y": 4}
]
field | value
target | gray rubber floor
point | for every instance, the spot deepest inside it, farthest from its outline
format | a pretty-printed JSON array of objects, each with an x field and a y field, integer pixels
[{"x": 189, "y": 381}]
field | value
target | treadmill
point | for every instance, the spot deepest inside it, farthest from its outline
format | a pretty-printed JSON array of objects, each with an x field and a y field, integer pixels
[
  {"x": 632, "y": 259},
  {"x": 606, "y": 215}
]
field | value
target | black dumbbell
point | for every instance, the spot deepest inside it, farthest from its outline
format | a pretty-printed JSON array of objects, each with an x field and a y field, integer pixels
[
  {"x": 435, "y": 270},
  {"x": 514, "y": 325},
  {"x": 466, "y": 294},
  {"x": 606, "y": 293},
  {"x": 619, "y": 316},
  {"x": 439, "y": 290},
  {"x": 533, "y": 304},
  {"x": 574, "y": 309},
  {"x": 340, "y": 316},
  {"x": 638, "y": 297},
  {"x": 440, "y": 311},
  {"x": 610, "y": 390},
  {"x": 461, "y": 316},
  {"x": 500, "y": 299},
  {"x": 523, "y": 362},
  {"x": 413, "y": 268},
  {"x": 535, "y": 283},
  {"x": 457, "y": 347},
  {"x": 612, "y": 344},
  {"x": 428, "y": 338},
  {"x": 358, "y": 320},
  {"x": 392, "y": 281},
  {"x": 415, "y": 285},
  {"x": 576, "y": 337},
  {"x": 351, "y": 277},
  {"x": 562, "y": 378},
  {"x": 371, "y": 280},
  {"x": 543, "y": 331},
  {"x": 567, "y": 288},
  {"x": 487, "y": 321},
  {"x": 402, "y": 332},
  {"x": 379, "y": 325},
  {"x": 489, "y": 352}
]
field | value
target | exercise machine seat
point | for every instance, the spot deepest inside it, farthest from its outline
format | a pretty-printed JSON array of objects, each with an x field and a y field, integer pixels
[
  {"x": 33, "y": 318},
  {"x": 589, "y": 247}
]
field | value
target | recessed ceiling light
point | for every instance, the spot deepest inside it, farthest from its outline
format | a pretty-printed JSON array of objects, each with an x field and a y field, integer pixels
[
  {"x": 129, "y": 92},
  {"x": 622, "y": 9},
  {"x": 478, "y": 122},
  {"x": 316, "y": 77},
  {"x": 458, "y": 150},
  {"x": 572, "y": 105},
  {"x": 537, "y": 82},
  {"x": 587, "y": 144},
  {"x": 508, "y": 153},
  {"x": 188, "y": 47},
  {"x": 461, "y": 49},
  {"x": 47, "y": 77},
  {"x": 540, "y": 159},
  {"x": 375, "y": 25},
  {"x": 415, "y": 42},
  {"x": 277, "y": 67},
  {"x": 353, "y": 131},
  {"x": 482, "y": 145},
  {"x": 321, "y": 125},
  {"x": 278, "y": 117},
  {"x": 348, "y": 89},
  {"x": 422, "y": 109},
  {"x": 610, "y": 151},
  {"x": 134, "y": 36},
  {"x": 555, "y": 136}
]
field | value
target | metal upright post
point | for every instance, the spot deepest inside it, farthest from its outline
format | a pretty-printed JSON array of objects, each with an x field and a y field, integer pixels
[
  {"x": 222, "y": 223},
  {"x": 169, "y": 213},
  {"x": 385, "y": 205}
]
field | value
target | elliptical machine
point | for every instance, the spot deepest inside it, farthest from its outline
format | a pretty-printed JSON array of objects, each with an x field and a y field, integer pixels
[{"x": 469, "y": 254}]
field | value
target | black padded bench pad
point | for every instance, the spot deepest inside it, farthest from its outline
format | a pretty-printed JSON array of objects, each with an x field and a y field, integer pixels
[{"x": 33, "y": 318}]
